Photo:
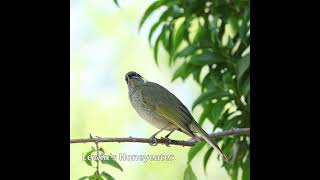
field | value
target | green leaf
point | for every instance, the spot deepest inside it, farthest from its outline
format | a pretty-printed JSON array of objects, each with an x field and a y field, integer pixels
[
  {"x": 170, "y": 48},
  {"x": 184, "y": 71},
  {"x": 93, "y": 176},
  {"x": 96, "y": 176},
  {"x": 194, "y": 150},
  {"x": 186, "y": 51},
  {"x": 206, "y": 158},
  {"x": 234, "y": 175},
  {"x": 189, "y": 174},
  {"x": 228, "y": 82},
  {"x": 179, "y": 36},
  {"x": 107, "y": 176},
  {"x": 116, "y": 2},
  {"x": 217, "y": 109},
  {"x": 209, "y": 95},
  {"x": 246, "y": 170},
  {"x": 243, "y": 28},
  {"x": 153, "y": 7},
  {"x": 111, "y": 162},
  {"x": 156, "y": 45},
  {"x": 181, "y": 72},
  {"x": 230, "y": 43},
  {"x": 233, "y": 21},
  {"x": 207, "y": 58},
  {"x": 187, "y": 23},
  {"x": 196, "y": 73},
  {"x": 149, "y": 10},
  {"x": 154, "y": 27},
  {"x": 167, "y": 40},
  {"x": 242, "y": 66},
  {"x": 222, "y": 30},
  {"x": 203, "y": 37},
  {"x": 222, "y": 122},
  {"x": 211, "y": 82},
  {"x": 87, "y": 161},
  {"x": 227, "y": 145},
  {"x": 84, "y": 177},
  {"x": 231, "y": 123},
  {"x": 161, "y": 20},
  {"x": 203, "y": 117},
  {"x": 101, "y": 149},
  {"x": 205, "y": 113},
  {"x": 245, "y": 88}
]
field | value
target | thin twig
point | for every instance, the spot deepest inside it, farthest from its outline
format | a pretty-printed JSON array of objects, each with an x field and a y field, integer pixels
[
  {"x": 97, "y": 148},
  {"x": 230, "y": 132}
]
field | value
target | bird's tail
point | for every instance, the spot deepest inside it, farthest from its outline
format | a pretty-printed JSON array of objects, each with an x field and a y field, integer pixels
[{"x": 197, "y": 128}]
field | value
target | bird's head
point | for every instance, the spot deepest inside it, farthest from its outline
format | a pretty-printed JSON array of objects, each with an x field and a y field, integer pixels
[{"x": 134, "y": 79}]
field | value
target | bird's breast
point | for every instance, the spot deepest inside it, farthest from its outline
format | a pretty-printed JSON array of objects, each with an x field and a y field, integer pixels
[{"x": 146, "y": 112}]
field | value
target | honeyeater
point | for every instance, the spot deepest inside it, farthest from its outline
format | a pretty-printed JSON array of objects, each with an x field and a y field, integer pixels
[{"x": 162, "y": 109}]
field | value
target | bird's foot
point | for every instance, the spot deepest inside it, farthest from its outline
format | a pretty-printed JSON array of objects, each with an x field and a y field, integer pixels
[
  {"x": 168, "y": 140},
  {"x": 155, "y": 141}
]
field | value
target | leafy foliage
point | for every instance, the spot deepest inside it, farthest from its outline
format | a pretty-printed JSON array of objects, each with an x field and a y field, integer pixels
[
  {"x": 99, "y": 157},
  {"x": 210, "y": 40}
]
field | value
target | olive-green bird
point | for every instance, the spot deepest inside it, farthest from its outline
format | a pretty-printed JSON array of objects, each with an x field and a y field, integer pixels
[{"x": 162, "y": 109}]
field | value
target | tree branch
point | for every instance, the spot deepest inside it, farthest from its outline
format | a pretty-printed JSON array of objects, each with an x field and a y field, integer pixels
[{"x": 230, "y": 132}]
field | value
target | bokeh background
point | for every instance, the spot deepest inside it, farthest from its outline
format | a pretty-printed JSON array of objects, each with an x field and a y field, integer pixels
[{"x": 105, "y": 45}]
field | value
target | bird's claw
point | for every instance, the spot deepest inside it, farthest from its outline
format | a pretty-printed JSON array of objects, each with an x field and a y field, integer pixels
[
  {"x": 168, "y": 141},
  {"x": 155, "y": 141}
]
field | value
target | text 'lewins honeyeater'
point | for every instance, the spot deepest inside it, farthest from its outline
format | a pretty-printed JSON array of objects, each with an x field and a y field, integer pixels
[{"x": 162, "y": 109}]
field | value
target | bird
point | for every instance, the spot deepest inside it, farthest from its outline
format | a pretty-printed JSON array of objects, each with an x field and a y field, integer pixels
[{"x": 162, "y": 109}]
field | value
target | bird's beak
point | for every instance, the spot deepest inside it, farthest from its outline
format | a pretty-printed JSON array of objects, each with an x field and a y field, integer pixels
[{"x": 127, "y": 79}]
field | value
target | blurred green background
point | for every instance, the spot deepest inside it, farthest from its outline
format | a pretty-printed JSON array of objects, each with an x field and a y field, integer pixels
[{"x": 105, "y": 45}]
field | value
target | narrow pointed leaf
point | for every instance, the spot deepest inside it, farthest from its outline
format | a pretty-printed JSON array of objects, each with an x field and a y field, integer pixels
[
  {"x": 187, "y": 51},
  {"x": 207, "y": 58},
  {"x": 178, "y": 36},
  {"x": 156, "y": 45},
  {"x": 194, "y": 150},
  {"x": 87, "y": 161},
  {"x": 180, "y": 72},
  {"x": 112, "y": 162},
  {"x": 242, "y": 66},
  {"x": 189, "y": 174},
  {"x": 154, "y": 27},
  {"x": 116, "y": 2},
  {"x": 217, "y": 109},
  {"x": 149, "y": 10},
  {"x": 206, "y": 158},
  {"x": 209, "y": 96},
  {"x": 107, "y": 176},
  {"x": 84, "y": 177}
]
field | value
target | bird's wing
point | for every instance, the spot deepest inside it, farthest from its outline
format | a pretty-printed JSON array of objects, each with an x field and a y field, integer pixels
[{"x": 167, "y": 105}]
